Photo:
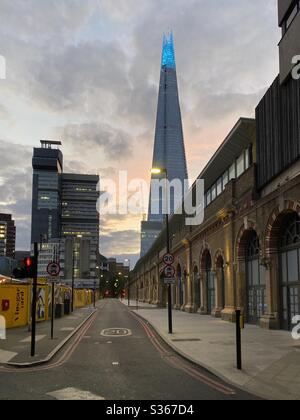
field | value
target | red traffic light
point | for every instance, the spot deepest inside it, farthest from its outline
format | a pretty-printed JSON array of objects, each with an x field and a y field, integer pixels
[{"x": 28, "y": 262}]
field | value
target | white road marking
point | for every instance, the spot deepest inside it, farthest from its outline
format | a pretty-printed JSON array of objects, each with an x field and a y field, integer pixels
[
  {"x": 67, "y": 329},
  {"x": 74, "y": 394},
  {"x": 116, "y": 332},
  {"x": 6, "y": 356},
  {"x": 115, "y": 363},
  {"x": 37, "y": 338}
]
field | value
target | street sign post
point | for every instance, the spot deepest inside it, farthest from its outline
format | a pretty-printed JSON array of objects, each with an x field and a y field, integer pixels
[
  {"x": 53, "y": 270},
  {"x": 170, "y": 281}
]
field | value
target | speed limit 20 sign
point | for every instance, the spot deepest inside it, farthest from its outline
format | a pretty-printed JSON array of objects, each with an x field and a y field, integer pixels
[{"x": 169, "y": 259}]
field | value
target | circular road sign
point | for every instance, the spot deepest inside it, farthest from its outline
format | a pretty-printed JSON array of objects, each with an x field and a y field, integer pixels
[
  {"x": 53, "y": 269},
  {"x": 169, "y": 272},
  {"x": 169, "y": 259}
]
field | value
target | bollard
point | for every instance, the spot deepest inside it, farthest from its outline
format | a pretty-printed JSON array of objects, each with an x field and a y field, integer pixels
[{"x": 239, "y": 321}]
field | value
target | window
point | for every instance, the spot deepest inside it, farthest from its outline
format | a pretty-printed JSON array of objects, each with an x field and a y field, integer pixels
[
  {"x": 256, "y": 283},
  {"x": 213, "y": 193},
  {"x": 291, "y": 16},
  {"x": 208, "y": 198},
  {"x": 219, "y": 187},
  {"x": 240, "y": 165},
  {"x": 225, "y": 179},
  {"x": 47, "y": 200},
  {"x": 232, "y": 172},
  {"x": 290, "y": 269},
  {"x": 247, "y": 159}
]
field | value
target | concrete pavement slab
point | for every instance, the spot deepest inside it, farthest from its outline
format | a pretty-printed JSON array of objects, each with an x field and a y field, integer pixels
[
  {"x": 16, "y": 348},
  {"x": 270, "y": 358}
]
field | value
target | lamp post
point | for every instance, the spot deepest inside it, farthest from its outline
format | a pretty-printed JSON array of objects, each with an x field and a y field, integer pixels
[
  {"x": 94, "y": 294},
  {"x": 159, "y": 171},
  {"x": 73, "y": 267},
  {"x": 128, "y": 284},
  {"x": 73, "y": 276}
]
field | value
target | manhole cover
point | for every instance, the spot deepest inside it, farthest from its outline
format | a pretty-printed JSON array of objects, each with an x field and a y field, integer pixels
[{"x": 116, "y": 332}]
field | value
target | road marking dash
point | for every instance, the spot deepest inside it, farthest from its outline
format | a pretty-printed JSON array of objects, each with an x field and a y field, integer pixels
[
  {"x": 37, "y": 338},
  {"x": 74, "y": 394}
]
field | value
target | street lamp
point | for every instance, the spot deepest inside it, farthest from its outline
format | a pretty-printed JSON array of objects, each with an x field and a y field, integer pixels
[
  {"x": 127, "y": 260},
  {"x": 163, "y": 171},
  {"x": 73, "y": 267}
]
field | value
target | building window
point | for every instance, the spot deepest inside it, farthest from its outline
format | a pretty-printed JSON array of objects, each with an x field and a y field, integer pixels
[
  {"x": 225, "y": 179},
  {"x": 232, "y": 172},
  {"x": 213, "y": 193},
  {"x": 240, "y": 165},
  {"x": 219, "y": 187},
  {"x": 292, "y": 16},
  {"x": 208, "y": 198},
  {"x": 290, "y": 269},
  {"x": 47, "y": 200},
  {"x": 256, "y": 286},
  {"x": 247, "y": 159}
]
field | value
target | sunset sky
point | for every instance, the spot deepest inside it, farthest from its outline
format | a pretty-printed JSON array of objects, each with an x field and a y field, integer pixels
[{"x": 86, "y": 72}]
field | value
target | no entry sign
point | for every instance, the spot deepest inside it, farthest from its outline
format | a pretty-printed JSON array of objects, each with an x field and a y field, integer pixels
[
  {"x": 169, "y": 272},
  {"x": 53, "y": 269}
]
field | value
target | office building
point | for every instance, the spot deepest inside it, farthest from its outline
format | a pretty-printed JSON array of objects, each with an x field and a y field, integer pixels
[
  {"x": 64, "y": 214},
  {"x": 47, "y": 164},
  {"x": 7, "y": 236}
]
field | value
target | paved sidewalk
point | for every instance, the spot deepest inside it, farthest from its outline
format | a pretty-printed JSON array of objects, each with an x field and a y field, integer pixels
[
  {"x": 16, "y": 347},
  {"x": 271, "y": 359}
]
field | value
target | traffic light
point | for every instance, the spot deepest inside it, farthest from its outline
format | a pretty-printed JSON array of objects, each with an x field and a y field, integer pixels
[
  {"x": 27, "y": 270},
  {"x": 30, "y": 266}
]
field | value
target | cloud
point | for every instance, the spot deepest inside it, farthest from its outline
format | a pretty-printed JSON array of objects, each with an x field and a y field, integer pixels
[
  {"x": 85, "y": 138},
  {"x": 15, "y": 189},
  {"x": 93, "y": 71},
  {"x": 121, "y": 244}
]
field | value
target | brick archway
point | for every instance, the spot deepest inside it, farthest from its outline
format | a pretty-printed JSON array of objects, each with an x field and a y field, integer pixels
[
  {"x": 243, "y": 238},
  {"x": 274, "y": 225},
  {"x": 203, "y": 254}
]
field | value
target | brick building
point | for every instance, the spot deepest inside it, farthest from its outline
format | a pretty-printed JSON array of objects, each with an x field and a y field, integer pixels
[{"x": 246, "y": 253}]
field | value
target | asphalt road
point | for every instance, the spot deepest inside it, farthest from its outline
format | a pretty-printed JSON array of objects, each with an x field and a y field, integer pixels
[{"x": 138, "y": 366}]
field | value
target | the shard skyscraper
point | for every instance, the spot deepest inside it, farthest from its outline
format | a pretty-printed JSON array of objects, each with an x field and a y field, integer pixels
[{"x": 169, "y": 151}]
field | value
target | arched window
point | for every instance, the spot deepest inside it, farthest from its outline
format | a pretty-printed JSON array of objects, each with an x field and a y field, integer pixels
[
  {"x": 180, "y": 286},
  {"x": 197, "y": 288},
  {"x": 210, "y": 284},
  {"x": 221, "y": 280},
  {"x": 290, "y": 269},
  {"x": 256, "y": 284}
]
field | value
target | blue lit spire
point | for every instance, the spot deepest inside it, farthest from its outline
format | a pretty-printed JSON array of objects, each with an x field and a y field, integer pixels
[{"x": 168, "y": 52}]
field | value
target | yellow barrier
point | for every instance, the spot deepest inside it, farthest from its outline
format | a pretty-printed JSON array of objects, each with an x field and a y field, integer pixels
[
  {"x": 15, "y": 301},
  {"x": 14, "y": 304},
  {"x": 83, "y": 298}
]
